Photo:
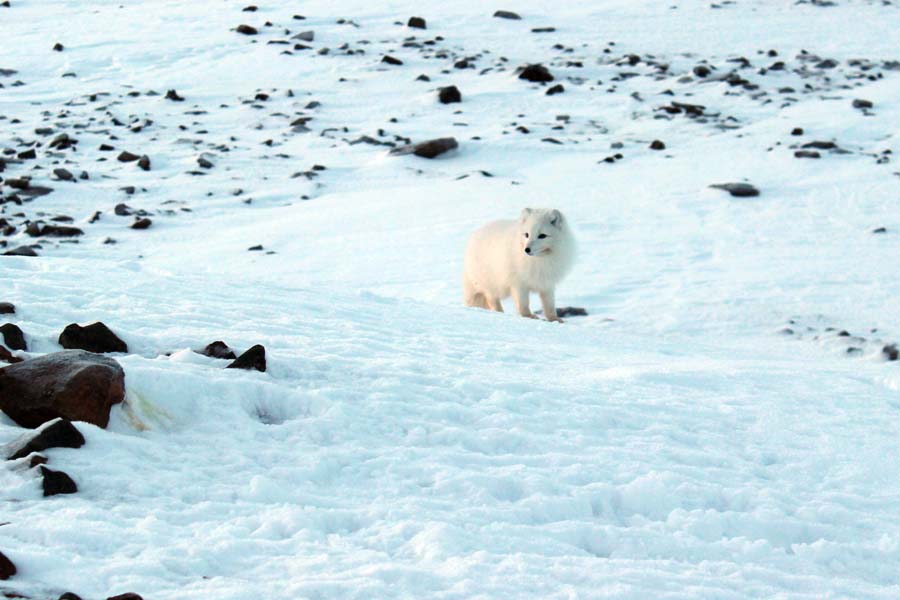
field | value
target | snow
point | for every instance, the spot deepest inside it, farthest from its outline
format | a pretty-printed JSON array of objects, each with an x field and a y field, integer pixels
[{"x": 673, "y": 444}]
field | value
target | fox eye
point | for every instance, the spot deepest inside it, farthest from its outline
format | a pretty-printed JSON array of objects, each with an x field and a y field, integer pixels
[
  {"x": 526, "y": 236},
  {"x": 542, "y": 236}
]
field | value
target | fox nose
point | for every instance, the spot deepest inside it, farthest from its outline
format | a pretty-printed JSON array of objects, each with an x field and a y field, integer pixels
[{"x": 527, "y": 249}]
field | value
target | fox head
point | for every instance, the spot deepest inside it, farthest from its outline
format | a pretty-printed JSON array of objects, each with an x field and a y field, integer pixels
[{"x": 540, "y": 229}]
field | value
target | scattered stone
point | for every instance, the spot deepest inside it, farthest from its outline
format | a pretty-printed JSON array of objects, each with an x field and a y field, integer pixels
[
  {"x": 807, "y": 154},
  {"x": 173, "y": 95},
  {"x": 7, "y": 308},
  {"x": 657, "y": 145},
  {"x": 820, "y": 145},
  {"x": 7, "y": 568},
  {"x": 738, "y": 190},
  {"x": 69, "y": 596},
  {"x": 218, "y": 349},
  {"x": 556, "y": 89},
  {"x": 38, "y": 229},
  {"x": 256, "y": 248},
  {"x": 506, "y": 14},
  {"x": 144, "y": 162},
  {"x": 127, "y": 156},
  {"x": 449, "y": 94},
  {"x": 429, "y": 149},
  {"x": 891, "y": 352},
  {"x": 543, "y": 30},
  {"x": 57, "y": 482},
  {"x": 7, "y": 356},
  {"x": 143, "y": 223},
  {"x": 246, "y": 30},
  {"x": 21, "y": 251},
  {"x": 254, "y": 358},
  {"x": 797, "y": 131},
  {"x": 702, "y": 71},
  {"x": 58, "y": 433},
  {"x": 95, "y": 337},
  {"x": 57, "y": 47},
  {"x": 13, "y": 337},
  {"x": 416, "y": 23},
  {"x": 571, "y": 311},
  {"x": 63, "y": 174},
  {"x": 123, "y": 210},
  {"x": 128, "y": 596},
  {"x": 27, "y": 154},
  {"x": 535, "y": 72},
  {"x": 880, "y": 230},
  {"x": 74, "y": 385},
  {"x": 306, "y": 36},
  {"x": 391, "y": 60},
  {"x": 862, "y": 104}
]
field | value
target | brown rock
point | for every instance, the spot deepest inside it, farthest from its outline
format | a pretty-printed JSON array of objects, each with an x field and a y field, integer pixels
[
  {"x": 13, "y": 337},
  {"x": 254, "y": 358},
  {"x": 218, "y": 349},
  {"x": 74, "y": 385},
  {"x": 57, "y": 482},
  {"x": 429, "y": 149},
  {"x": 6, "y": 356},
  {"x": 95, "y": 337},
  {"x": 58, "y": 433},
  {"x": 7, "y": 568}
]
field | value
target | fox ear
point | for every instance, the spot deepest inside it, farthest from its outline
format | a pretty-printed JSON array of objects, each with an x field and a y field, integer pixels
[
  {"x": 556, "y": 218},
  {"x": 526, "y": 212}
]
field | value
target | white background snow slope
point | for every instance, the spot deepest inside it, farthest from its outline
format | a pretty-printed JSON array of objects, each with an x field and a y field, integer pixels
[{"x": 673, "y": 444}]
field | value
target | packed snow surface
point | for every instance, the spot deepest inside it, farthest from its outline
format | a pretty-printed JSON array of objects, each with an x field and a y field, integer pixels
[{"x": 706, "y": 432}]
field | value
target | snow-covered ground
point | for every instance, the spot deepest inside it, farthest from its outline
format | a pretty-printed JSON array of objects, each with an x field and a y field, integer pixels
[{"x": 675, "y": 443}]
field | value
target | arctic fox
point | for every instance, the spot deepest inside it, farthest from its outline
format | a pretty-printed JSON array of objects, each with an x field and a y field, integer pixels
[{"x": 516, "y": 257}]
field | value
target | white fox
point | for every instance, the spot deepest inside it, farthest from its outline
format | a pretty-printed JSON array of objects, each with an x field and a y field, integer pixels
[{"x": 517, "y": 257}]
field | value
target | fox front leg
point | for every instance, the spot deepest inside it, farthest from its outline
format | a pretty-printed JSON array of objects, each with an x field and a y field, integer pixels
[
  {"x": 520, "y": 297},
  {"x": 548, "y": 301}
]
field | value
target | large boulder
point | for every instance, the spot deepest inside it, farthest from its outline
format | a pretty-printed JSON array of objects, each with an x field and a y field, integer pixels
[
  {"x": 73, "y": 385},
  {"x": 95, "y": 337}
]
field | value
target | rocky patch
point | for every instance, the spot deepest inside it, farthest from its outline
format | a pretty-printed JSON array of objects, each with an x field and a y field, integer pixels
[{"x": 58, "y": 433}]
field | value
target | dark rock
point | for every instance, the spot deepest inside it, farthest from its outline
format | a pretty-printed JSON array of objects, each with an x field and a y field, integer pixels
[
  {"x": 449, "y": 95},
  {"x": 69, "y": 596},
  {"x": 123, "y": 210},
  {"x": 862, "y": 104},
  {"x": 57, "y": 47},
  {"x": 657, "y": 145},
  {"x": 205, "y": 163},
  {"x": 543, "y": 30},
  {"x": 173, "y": 95},
  {"x": 535, "y": 72},
  {"x": 27, "y": 155},
  {"x": 63, "y": 174},
  {"x": 797, "y": 131},
  {"x": 21, "y": 251},
  {"x": 556, "y": 89},
  {"x": 891, "y": 352},
  {"x": 74, "y": 385},
  {"x": 57, "y": 482},
  {"x": 571, "y": 311},
  {"x": 7, "y": 356},
  {"x": 416, "y": 22},
  {"x": 142, "y": 223},
  {"x": 7, "y": 568},
  {"x": 246, "y": 30},
  {"x": 506, "y": 14},
  {"x": 702, "y": 71},
  {"x": 820, "y": 145},
  {"x": 95, "y": 337},
  {"x": 13, "y": 336},
  {"x": 128, "y": 596},
  {"x": 423, "y": 77},
  {"x": 144, "y": 162},
  {"x": 391, "y": 60},
  {"x": 429, "y": 149},
  {"x": 6, "y": 308},
  {"x": 738, "y": 190},
  {"x": 254, "y": 358},
  {"x": 218, "y": 349},
  {"x": 807, "y": 154},
  {"x": 35, "y": 229},
  {"x": 127, "y": 156},
  {"x": 306, "y": 36},
  {"x": 58, "y": 433},
  {"x": 880, "y": 230}
]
